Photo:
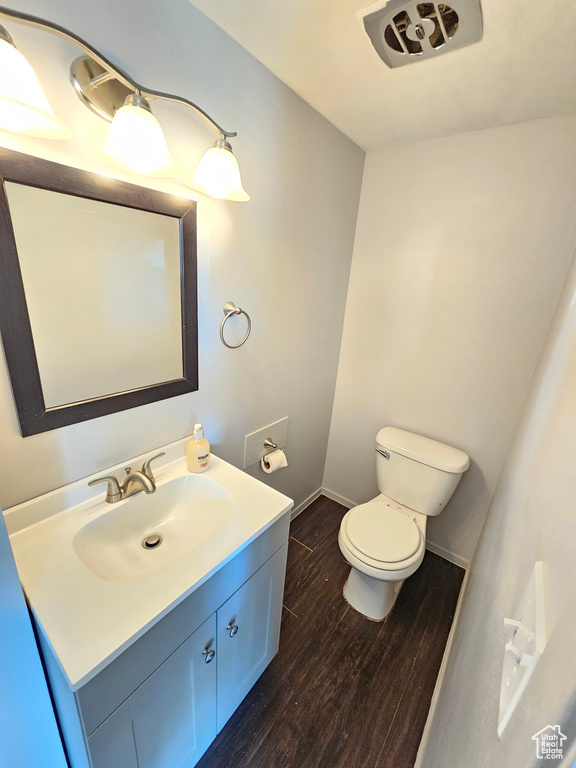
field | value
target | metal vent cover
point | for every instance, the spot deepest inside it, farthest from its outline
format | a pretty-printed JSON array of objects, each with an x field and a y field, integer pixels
[{"x": 404, "y": 32}]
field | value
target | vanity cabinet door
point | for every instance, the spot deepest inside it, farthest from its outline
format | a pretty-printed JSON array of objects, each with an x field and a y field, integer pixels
[
  {"x": 174, "y": 711},
  {"x": 112, "y": 743},
  {"x": 249, "y": 633}
]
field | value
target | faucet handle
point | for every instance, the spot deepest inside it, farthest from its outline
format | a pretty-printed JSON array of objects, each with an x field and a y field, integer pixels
[
  {"x": 114, "y": 492},
  {"x": 146, "y": 466}
]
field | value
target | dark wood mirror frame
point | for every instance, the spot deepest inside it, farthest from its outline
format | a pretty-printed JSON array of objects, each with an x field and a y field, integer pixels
[{"x": 15, "y": 324}]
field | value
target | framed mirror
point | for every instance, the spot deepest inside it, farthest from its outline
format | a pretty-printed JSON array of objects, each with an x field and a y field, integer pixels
[{"x": 98, "y": 293}]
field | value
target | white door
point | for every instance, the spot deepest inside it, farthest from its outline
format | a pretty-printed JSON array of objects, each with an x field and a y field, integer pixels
[
  {"x": 249, "y": 633},
  {"x": 174, "y": 711}
]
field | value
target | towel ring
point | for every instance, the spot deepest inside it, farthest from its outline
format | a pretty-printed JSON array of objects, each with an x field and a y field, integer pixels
[{"x": 231, "y": 309}]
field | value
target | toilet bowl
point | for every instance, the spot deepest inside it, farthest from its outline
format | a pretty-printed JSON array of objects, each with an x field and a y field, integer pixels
[{"x": 384, "y": 540}]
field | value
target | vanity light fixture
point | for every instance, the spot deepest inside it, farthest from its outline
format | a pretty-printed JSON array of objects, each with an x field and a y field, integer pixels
[
  {"x": 135, "y": 138},
  {"x": 23, "y": 106},
  {"x": 218, "y": 173}
]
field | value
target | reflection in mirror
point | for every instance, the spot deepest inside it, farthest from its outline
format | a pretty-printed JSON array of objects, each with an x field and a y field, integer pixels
[
  {"x": 98, "y": 301},
  {"x": 102, "y": 286}
]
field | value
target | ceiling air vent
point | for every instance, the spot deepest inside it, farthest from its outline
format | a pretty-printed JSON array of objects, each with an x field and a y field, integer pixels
[{"x": 404, "y": 32}]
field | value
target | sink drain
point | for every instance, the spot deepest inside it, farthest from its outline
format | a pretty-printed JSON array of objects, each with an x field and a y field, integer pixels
[{"x": 152, "y": 541}]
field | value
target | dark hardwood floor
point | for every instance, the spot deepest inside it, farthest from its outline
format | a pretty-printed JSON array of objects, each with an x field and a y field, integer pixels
[{"x": 343, "y": 691}]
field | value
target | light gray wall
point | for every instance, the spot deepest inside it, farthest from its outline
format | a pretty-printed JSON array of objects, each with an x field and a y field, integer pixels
[
  {"x": 531, "y": 518},
  {"x": 284, "y": 257},
  {"x": 461, "y": 250}
]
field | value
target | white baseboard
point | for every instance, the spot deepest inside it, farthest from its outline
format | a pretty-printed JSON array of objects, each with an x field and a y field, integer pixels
[
  {"x": 452, "y": 557},
  {"x": 441, "y": 674},
  {"x": 340, "y": 499},
  {"x": 321, "y": 492},
  {"x": 306, "y": 503}
]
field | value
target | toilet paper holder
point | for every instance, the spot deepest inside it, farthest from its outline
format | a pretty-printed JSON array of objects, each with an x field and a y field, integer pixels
[
  {"x": 273, "y": 458},
  {"x": 269, "y": 446}
]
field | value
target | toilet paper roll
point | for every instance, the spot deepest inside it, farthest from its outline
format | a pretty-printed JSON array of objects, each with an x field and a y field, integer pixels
[{"x": 273, "y": 461}]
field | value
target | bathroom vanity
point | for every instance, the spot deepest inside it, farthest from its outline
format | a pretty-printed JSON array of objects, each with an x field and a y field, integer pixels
[{"x": 148, "y": 662}]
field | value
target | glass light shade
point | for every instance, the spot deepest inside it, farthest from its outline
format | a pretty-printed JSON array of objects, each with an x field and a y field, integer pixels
[
  {"x": 218, "y": 175},
  {"x": 238, "y": 195},
  {"x": 136, "y": 139},
  {"x": 23, "y": 106}
]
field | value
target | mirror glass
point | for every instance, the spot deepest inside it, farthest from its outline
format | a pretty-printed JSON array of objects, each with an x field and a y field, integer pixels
[
  {"x": 98, "y": 296},
  {"x": 102, "y": 285}
]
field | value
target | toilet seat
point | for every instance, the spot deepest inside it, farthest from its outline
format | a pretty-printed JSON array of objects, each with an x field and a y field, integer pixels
[
  {"x": 372, "y": 564},
  {"x": 382, "y": 534}
]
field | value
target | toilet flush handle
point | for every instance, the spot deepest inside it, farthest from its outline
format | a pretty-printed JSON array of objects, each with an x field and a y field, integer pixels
[{"x": 386, "y": 454}]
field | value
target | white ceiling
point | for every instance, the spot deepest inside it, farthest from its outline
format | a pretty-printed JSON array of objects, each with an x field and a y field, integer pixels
[{"x": 524, "y": 68}]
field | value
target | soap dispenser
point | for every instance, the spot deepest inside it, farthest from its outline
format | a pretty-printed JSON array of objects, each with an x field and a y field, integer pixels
[{"x": 198, "y": 451}]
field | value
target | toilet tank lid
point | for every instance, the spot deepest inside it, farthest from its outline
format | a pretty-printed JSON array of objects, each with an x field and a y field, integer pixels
[{"x": 423, "y": 449}]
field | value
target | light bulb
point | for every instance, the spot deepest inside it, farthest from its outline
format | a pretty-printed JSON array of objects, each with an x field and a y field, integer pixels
[
  {"x": 136, "y": 139},
  {"x": 218, "y": 174},
  {"x": 23, "y": 105}
]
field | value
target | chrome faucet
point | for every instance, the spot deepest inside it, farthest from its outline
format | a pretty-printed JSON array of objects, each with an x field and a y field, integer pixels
[{"x": 135, "y": 482}]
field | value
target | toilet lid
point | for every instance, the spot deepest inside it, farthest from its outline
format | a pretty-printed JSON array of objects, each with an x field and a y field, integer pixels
[{"x": 382, "y": 533}]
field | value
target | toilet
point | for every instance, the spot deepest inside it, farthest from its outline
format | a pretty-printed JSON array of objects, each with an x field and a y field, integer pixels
[{"x": 384, "y": 540}]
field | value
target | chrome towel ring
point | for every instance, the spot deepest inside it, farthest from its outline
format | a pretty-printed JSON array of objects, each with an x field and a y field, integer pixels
[{"x": 231, "y": 309}]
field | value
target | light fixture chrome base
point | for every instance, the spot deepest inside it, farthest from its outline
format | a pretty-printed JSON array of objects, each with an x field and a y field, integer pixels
[
  {"x": 97, "y": 88},
  {"x": 223, "y": 143}
]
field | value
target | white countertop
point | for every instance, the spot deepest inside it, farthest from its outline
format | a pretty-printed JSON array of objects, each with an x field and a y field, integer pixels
[{"x": 88, "y": 620}]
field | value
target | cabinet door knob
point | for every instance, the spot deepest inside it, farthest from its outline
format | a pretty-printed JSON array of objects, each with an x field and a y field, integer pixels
[
  {"x": 208, "y": 655},
  {"x": 232, "y": 628}
]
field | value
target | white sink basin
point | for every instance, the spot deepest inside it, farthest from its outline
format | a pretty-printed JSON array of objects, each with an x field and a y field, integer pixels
[
  {"x": 94, "y": 589},
  {"x": 184, "y": 513}
]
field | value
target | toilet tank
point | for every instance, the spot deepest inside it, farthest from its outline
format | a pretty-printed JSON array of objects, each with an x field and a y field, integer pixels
[{"x": 417, "y": 472}]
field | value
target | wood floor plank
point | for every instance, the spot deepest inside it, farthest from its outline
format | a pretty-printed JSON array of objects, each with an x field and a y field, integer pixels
[
  {"x": 297, "y": 554},
  {"x": 319, "y": 577},
  {"x": 349, "y": 713},
  {"x": 321, "y": 519},
  {"x": 303, "y": 520},
  {"x": 400, "y": 748},
  {"x": 343, "y": 691},
  {"x": 315, "y": 596},
  {"x": 388, "y": 658}
]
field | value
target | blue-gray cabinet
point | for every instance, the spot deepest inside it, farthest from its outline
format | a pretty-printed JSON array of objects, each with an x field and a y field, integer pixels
[
  {"x": 174, "y": 711},
  {"x": 161, "y": 703},
  {"x": 248, "y": 633},
  {"x": 112, "y": 744}
]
